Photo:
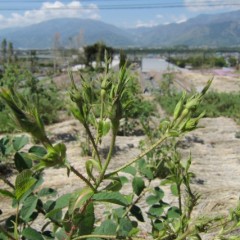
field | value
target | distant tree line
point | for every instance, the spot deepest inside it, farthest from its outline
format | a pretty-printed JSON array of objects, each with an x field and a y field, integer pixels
[
  {"x": 203, "y": 61},
  {"x": 96, "y": 53},
  {"x": 7, "y": 52}
]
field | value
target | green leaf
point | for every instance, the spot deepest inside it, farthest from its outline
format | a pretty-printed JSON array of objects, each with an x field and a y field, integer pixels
[
  {"x": 19, "y": 142},
  {"x": 130, "y": 169},
  {"x": 55, "y": 214},
  {"x": 158, "y": 196},
  {"x": 173, "y": 212},
  {"x": 158, "y": 224},
  {"x": 125, "y": 227},
  {"x": 174, "y": 190},
  {"x": 111, "y": 197},
  {"x": 6, "y": 193},
  {"x": 138, "y": 185},
  {"x": 118, "y": 212},
  {"x": 54, "y": 208},
  {"x": 197, "y": 237},
  {"x": 29, "y": 206},
  {"x": 31, "y": 234},
  {"x": 61, "y": 234},
  {"x": 107, "y": 227},
  {"x": 63, "y": 201},
  {"x": 46, "y": 192},
  {"x": 103, "y": 128},
  {"x": 6, "y": 147},
  {"x": 147, "y": 172},
  {"x": 24, "y": 181},
  {"x": 156, "y": 210},
  {"x": 137, "y": 213},
  {"x": 85, "y": 221},
  {"x": 3, "y": 237},
  {"x": 114, "y": 186},
  {"x": 49, "y": 205},
  {"x": 38, "y": 151},
  {"x": 166, "y": 182},
  {"x": 22, "y": 161},
  {"x": 123, "y": 180}
]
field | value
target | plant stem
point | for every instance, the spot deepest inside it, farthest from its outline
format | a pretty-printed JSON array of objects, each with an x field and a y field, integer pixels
[
  {"x": 82, "y": 177},
  {"x": 106, "y": 237},
  {"x": 114, "y": 134},
  {"x": 186, "y": 233},
  {"x": 164, "y": 137},
  {"x": 136, "y": 201},
  {"x": 93, "y": 143},
  {"x": 40, "y": 210}
]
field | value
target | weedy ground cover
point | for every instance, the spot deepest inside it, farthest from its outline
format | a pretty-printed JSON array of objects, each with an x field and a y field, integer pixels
[
  {"x": 214, "y": 103},
  {"x": 73, "y": 215},
  {"x": 43, "y": 93}
]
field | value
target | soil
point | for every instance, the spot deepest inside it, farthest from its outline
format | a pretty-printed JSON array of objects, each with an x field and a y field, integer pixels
[{"x": 214, "y": 147}]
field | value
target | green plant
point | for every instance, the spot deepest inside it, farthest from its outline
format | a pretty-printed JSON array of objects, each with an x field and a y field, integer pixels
[
  {"x": 215, "y": 104},
  {"x": 42, "y": 92},
  {"x": 72, "y": 216}
]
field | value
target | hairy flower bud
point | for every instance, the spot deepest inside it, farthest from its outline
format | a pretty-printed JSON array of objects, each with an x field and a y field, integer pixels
[{"x": 179, "y": 107}]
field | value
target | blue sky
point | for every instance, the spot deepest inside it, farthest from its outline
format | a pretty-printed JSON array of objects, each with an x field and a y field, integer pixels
[{"x": 124, "y": 13}]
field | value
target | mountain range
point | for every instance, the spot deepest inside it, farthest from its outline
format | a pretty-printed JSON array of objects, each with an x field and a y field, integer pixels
[{"x": 218, "y": 30}]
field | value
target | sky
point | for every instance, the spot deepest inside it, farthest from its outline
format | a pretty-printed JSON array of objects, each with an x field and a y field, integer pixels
[{"x": 124, "y": 13}]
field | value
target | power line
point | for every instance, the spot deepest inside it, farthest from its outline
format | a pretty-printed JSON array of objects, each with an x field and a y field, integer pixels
[
  {"x": 117, "y": 7},
  {"x": 128, "y": 6}
]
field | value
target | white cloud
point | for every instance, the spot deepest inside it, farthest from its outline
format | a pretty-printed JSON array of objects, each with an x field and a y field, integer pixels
[
  {"x": 150, "y": 23},
  {"x": 179, "y": 19},
  {"x": 49, "y": 11},
  {"x": 162, "y": 20},
  {"x": 211, "y": 5}
]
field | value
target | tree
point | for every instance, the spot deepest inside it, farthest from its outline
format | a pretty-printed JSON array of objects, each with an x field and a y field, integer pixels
[
  {"x": 232, "y": 61},
  {"x": 10, "y": 52},
  {"x": 220, "y": 62},
  {"x": 96, "y": 52}
]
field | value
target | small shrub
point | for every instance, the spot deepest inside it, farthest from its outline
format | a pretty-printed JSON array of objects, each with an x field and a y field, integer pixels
[
  {"x": 72, "y": 215},
  {"x": 42, "y": 93}
]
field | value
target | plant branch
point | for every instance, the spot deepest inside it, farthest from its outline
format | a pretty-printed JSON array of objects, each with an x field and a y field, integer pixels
[
  {"x": 106, "y": 237},
  {"x": 52, "y": 220},
  {"x": 114, "y": 134},
  {"x": 136, "y": 201},
  {"x": 160, "y": 141},
  {"x": 93, "y": 143},
  {"x": 82, "y": 177}
]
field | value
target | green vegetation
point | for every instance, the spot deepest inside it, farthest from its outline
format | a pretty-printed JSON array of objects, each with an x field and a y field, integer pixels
[
  {"x": 42, "y": 93},
  {"x": 96, "y": 53},
  {"x": 73, "y": 215},
  {"x": 215, "y": 104},
  {"x": 201, "y": 61}
]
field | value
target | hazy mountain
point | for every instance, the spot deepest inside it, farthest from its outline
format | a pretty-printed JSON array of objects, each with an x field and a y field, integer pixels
[
  {"x": 203, "y": 30},
  {"x": 42, "y": 35}
]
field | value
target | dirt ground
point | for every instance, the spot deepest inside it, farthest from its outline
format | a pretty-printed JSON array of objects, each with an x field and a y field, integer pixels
[{"x": 214, "y": 147}]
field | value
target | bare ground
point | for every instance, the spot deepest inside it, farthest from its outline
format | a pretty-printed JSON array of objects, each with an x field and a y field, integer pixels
[{"x": 215, "y": 156}]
